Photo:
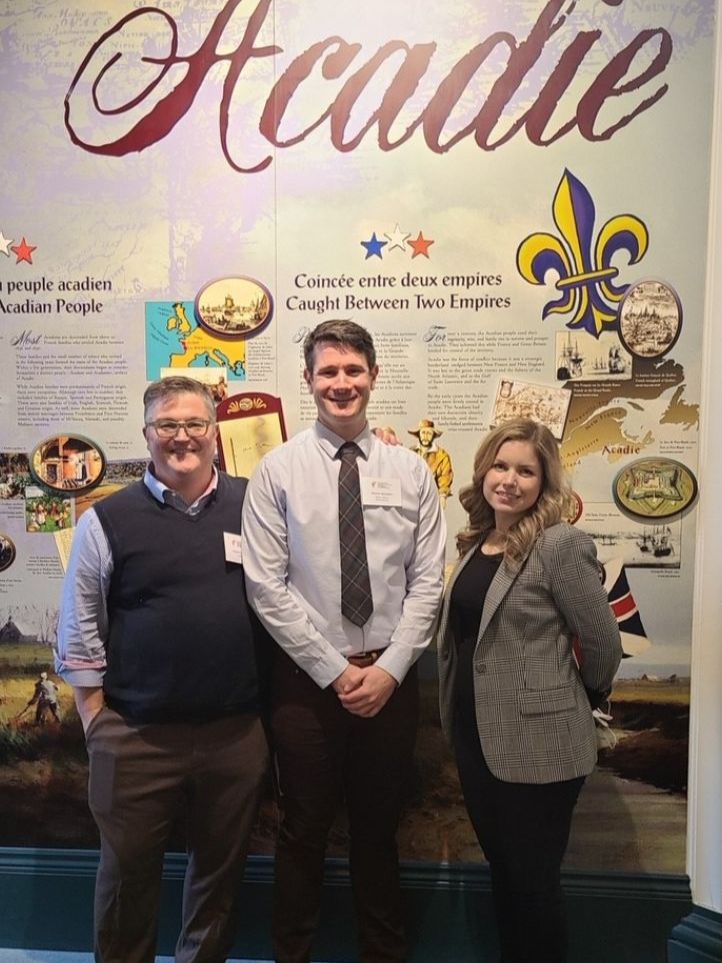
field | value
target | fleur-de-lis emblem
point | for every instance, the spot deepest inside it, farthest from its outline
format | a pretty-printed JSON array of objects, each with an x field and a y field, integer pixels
[{"x": 584, "y": 265}]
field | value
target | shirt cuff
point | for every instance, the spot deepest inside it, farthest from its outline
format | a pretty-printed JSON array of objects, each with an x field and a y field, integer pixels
[
  {"x": 325, "y": 672},
  {"x": 81, "y": 678},
  {"x": 397, "y": 661}
]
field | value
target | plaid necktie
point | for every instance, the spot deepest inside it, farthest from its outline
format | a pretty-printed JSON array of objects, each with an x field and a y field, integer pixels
[{"x": 356, "y": 601}]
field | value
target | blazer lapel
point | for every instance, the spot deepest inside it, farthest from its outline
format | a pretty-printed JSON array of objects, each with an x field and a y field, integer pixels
[{"x": 501, "y": 583}]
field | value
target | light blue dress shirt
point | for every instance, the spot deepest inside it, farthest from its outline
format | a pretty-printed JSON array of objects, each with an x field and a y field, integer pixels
[{"x": 292, "y": 564}]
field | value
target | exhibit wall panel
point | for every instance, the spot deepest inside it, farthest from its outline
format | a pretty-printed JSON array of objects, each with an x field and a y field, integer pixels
[{"x": 512, "y": 197}]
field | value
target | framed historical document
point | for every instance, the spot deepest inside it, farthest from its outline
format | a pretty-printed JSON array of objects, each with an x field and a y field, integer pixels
[{"x": 249, "y": 425}]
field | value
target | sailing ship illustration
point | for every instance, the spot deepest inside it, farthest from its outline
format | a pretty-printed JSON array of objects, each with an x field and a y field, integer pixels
[
  {"x": 571, "y": 361},
  {"x": 661, "y": 541},
  {"x": 657, "y": 542},
  {"x": 607, "y": 539},
  {"x": 615, "y": 363},
  {"x": 235, "y": 317}
]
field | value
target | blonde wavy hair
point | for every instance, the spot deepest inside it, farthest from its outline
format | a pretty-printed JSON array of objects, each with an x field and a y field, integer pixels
[{"x": 554, "y": 499}]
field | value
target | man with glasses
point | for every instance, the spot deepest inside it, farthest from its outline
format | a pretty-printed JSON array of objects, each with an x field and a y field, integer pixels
[{"x": 158, "y": 643}]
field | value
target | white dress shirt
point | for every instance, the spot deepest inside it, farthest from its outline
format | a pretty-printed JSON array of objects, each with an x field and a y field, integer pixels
[{"x": 292, "y": 563}]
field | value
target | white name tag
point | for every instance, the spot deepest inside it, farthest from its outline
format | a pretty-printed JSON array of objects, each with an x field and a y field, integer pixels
[
  {"x": 380, "y": 491},
  {"x": 232, "y": 545}
]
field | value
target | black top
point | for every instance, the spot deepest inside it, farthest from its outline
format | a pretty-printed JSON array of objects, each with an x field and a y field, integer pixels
[{"x": 467, "y": 604}]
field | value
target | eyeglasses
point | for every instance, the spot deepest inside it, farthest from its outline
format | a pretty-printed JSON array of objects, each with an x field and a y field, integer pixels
[{"x": 194, "y": 427}]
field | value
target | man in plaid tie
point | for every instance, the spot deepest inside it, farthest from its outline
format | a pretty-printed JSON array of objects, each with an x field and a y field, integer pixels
[{"x": 343, "y": 554}]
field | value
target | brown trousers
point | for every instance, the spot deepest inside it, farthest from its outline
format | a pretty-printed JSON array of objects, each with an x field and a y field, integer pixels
[
  {"x": 141, "y": 777},
  {"x": 325, "y": 754}
]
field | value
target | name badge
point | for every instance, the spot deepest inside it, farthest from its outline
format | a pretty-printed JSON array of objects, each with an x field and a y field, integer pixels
[
  {"x": 232, "y": 545},
  {"x": 380, "y": 491}
]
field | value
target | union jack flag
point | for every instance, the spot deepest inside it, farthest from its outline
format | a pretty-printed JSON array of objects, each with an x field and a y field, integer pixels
[
  {"x": 622, "y": 604},
  {"x": 621, "y": 600}
]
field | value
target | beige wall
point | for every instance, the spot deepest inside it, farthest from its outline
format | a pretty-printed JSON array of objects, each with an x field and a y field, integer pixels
[{"x": 704, "y": 843}]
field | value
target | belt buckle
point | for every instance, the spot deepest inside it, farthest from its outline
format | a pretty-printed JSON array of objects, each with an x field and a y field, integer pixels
[{"x": 363, "y": 660}]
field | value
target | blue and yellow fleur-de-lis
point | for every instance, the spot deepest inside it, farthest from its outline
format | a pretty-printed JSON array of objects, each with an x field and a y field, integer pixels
[{"x": 583, "y": 264}]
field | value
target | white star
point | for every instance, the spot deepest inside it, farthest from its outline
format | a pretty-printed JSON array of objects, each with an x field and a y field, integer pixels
[
  {"x": 397, "y": 238},
  {"x": 5, "y": 243}
]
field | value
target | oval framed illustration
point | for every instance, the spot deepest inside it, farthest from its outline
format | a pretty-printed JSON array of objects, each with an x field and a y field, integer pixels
[
  {"x": 7, "y": 551},
  {"x": 654, "y": 488},
  {"x": 573, "y": 509},
  {"x": 67, "y": 463},
  {"x": 650, "y": 318},
  {"x": 234, "y": 307}
]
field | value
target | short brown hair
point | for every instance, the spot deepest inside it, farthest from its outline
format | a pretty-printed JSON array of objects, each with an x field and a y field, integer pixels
[
  {"x": 177, "y": 385},
  {"x": 343, "y": 332}
]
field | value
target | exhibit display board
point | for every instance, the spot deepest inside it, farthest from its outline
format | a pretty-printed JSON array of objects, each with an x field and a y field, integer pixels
[{"x": 512, "y": 197}]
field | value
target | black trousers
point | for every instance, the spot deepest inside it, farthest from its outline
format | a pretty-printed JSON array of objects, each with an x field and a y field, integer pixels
[
  {"x": 325, "y": 754},
  {"x": 523, "y": 829}
]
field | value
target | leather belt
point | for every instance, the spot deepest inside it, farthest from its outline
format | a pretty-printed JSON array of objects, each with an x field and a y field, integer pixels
[{"x": 364, "y": 659}]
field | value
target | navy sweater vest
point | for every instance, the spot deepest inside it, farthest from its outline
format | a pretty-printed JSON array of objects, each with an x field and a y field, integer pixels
[{"x": 181, "y": 641}]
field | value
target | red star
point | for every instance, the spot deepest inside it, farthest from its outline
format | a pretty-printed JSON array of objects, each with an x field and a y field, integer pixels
[
  {"x": 24, "y": 251},
  {"x": 420, "y": 246}
]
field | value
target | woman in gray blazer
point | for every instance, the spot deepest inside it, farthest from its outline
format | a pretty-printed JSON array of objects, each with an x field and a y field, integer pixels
[{"x": 516, "y": 702}]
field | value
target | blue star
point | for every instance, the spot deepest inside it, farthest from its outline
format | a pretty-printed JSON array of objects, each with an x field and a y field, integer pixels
[{"x": 374, "y": 246}]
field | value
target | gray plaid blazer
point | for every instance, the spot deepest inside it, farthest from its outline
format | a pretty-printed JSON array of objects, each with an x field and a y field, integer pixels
[{"x": 533, "y": 715}]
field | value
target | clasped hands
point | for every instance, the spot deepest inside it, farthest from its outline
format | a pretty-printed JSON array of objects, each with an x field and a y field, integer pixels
[{"x": 364, "y": 692}]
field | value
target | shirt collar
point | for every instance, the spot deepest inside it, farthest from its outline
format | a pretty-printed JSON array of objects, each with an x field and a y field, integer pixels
[
  {"x": 158, "y": 490},
  {"x": 330, "y": 442}
]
